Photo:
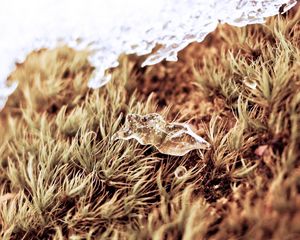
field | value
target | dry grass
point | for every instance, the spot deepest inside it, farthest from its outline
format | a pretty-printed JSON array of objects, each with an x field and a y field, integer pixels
[{"x": 62, "y": 176}]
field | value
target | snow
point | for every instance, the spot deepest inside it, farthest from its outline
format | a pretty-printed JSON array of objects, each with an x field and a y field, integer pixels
[{"x": 110, "y": 28}]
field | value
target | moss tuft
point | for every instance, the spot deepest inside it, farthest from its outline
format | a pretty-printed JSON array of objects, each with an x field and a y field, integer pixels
[{"x": 63, "y": 177}]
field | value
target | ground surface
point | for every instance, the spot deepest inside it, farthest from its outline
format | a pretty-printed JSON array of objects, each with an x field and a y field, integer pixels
[{"x": 62, "y": 176}]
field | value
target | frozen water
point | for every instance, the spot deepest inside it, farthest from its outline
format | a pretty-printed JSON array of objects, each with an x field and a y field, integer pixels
[
  {"x": 6, "y": 90},
  {"x": 180, "y": 172},
  {"x": 175, "y": 139},
  {"x": 110, "y": 28}
]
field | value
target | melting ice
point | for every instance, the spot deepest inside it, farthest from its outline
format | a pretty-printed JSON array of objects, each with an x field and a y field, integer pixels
[
  {"x": 110, "y": 28},
  {"x": 175, "y": 139}
]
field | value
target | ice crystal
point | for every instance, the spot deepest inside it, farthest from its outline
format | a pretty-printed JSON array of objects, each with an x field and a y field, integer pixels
[
  {"x": 180, "y": 172},
  {"x": 110, "y": 28},
  {"x": 175, "y": 139},
  {"x": 250, "y": 83}
]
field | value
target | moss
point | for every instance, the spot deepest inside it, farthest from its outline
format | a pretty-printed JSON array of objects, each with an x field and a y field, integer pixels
[{"x": 63, "y": 177}]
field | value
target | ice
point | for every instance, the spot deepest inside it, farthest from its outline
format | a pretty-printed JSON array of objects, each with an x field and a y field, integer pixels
[
  {"x": 180, "y": 172},
  {"x": 250, "y": 83},
  {"x": 110, "y": 28},
  {"x": 6, "y": 90},
  {"x": 175, "y": 139}
]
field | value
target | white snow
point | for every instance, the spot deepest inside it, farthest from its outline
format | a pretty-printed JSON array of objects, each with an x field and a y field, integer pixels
[{"x": 109, "y": 28}]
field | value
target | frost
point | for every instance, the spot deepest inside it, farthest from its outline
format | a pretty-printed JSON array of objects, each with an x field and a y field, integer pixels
[
  {"x": 110, "y": 28},
  {"x": 175, "y": 139}
]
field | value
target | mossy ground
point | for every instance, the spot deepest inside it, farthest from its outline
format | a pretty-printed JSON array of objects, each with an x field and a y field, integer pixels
[{"x": 62, "y": 176}]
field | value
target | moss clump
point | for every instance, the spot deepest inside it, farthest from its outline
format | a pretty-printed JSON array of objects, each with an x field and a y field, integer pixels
[{"x": 62, "y": 176}]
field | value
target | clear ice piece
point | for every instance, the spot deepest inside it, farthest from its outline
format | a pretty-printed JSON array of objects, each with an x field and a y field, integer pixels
[
  {"x": 175, "y": 139},
  {"x": 180, "y": 172}
]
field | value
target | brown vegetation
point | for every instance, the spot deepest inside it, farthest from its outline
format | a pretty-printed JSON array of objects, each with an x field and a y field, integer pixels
[{"x": 62, "y": 176}]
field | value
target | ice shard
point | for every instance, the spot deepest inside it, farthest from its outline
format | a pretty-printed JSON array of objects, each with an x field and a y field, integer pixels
[{"x": 176, "y": 139}]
